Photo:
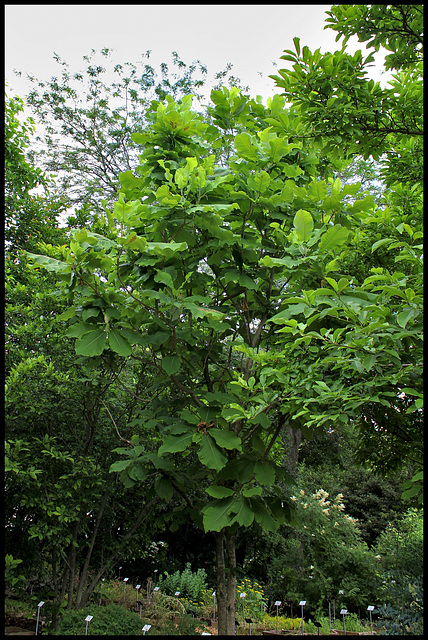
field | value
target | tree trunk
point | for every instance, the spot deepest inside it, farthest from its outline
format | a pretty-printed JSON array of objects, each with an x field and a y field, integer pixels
[
  {"x": 231, "y": 581},
  {"x": 83, "y": 577},
  {"x": 294, "y": 442},
  {"x": 72, "y": 565},
  {"x": 221, "y": 583},
  {"x": 226, "y": 581},
  {"x": 144, "y": 512}
]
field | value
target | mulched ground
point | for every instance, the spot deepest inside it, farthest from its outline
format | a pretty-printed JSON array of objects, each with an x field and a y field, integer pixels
[{"x": 16, "y": 625}]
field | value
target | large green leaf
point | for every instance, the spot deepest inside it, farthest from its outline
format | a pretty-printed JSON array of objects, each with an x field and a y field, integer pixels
[
  {"x": 78, "y": 329},
  {"x": 404, "y": 316},
  {"x": 165, "y": 278},
  {"x": 92, "y": 343},
  {"x": 133, "y": 337},
  {"x": 172, "y": 443},
  {"x": 333, "y": 237},
  {"x": 317, "y": 189},
  {"x": 210, "y": 454},
  {"x": 120, "y": 465},
  {"x": 264, "y": 472},
  {"x": 171, "y": 364},
  {"x": 259, "y": 182},
  {"x": 241, "y": 469},
  {"x": 262, "y": 516},
  {"x": 217, "y": 515},
  {"x": 166, "y": 249},
  {"x": 227, "y": 439},
  {"x": 50, "y": 264},
  {"x": 118, "y": 343},
  {"x": 278, "y": 149},
  {"x": 304, "y": 225},
  {"x": 137, "y": 472},
  {"x": 244, "y": 146},
  {"x": 164, "y": 488},
  {"x": 252, "y": 491},
  {"x": 215, "y": 491},
  {"x": 244, "y": 515},
  {"x": 66, "y": 315}
]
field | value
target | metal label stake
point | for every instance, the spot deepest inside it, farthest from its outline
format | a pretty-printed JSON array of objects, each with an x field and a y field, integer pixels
[
  {"x": 302, "y": 604},
  {"x": 277, "y": 605},
  {"x": 370, "y": 609},
  {"x": 39, "y": 606},
  {"x": 249, "y": 621},
  {"x": 343, "y": 613},
  {"x": 125, "y": 580},
  {"x": 87, "y": 620},
  {"x": 242, "y": 595}
]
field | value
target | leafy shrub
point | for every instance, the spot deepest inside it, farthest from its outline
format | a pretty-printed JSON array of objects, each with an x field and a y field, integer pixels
[
  {"x": 322, "y": 555},
  {"x": 109, "y": 620},
  {"x": 254, "y": 601},
  {"x": 11, "y": 577},
  {"x": 352, "y": 622},
  {"x": 189, "y": 584},
  {"x": 283, "y": 622},
  {"x": 400, "y": 546},
  {"x": 186, "y": 626},
  {"x": 112, "y": 592},
  {"x": 402, "y": 611},
  {"x": 16, "y": 608}
]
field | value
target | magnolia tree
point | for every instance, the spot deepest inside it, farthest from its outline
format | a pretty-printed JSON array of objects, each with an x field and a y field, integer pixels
[{"x": 226, "y": 282}]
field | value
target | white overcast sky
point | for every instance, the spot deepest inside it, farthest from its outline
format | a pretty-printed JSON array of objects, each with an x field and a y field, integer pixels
[{"x": 251, "y": 37}]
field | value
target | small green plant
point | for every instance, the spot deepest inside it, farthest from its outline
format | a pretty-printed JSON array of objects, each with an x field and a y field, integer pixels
[
  {"x": 287, "y": 624},
  {"x": 352, "y": 622},
  {"x": 109, "y": 620},
  {"x": 11, "y": 577},
  {"x": 254, "y": 601},
  {"x": 189, "y": 584},
  {"x": 186, "y": 626},
  {"x": 402, "y": 613},
  {"x": 112, "y": 591},
  {"x": 18, "y": 608}
]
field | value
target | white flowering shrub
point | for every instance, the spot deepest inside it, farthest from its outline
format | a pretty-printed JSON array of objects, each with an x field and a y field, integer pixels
[{"x": 324, "y": 555}]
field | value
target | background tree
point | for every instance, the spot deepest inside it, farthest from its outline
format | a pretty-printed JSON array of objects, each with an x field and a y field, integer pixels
[
  {"x": 29, "y": 217},
  {"x": 64, "y": 512},
  {"x": 86, "y": 123},
  {"x": 401, "y": 558},
  {"x": 347, "y": 113}
]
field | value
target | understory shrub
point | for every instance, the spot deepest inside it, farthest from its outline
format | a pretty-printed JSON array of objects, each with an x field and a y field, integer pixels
[
  {"x": 109, "y": 620},
  {"x": 254, "y": 601},
  {"x": 402, "y": 611},
  {"x": 288, "y": 624},
  {"x": 189, "y": 584}
]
